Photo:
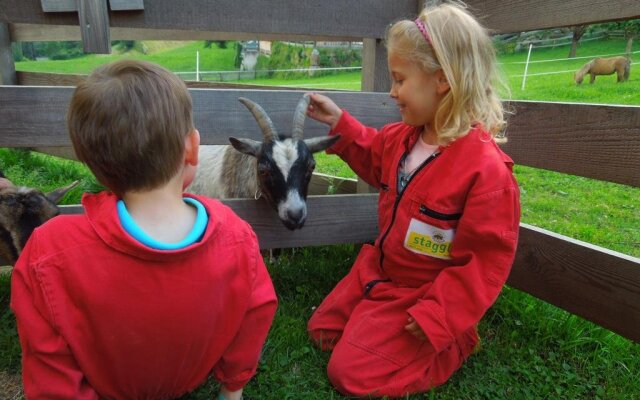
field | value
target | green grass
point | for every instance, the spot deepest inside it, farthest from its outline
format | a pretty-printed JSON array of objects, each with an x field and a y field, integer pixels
[
  {"x": 558, "y": 87},
  {"x": 177, "y": 59},
  {"x": 561, "y": 87},
  {"x": 342, "y": 81},
  {"x": 531, "y": 350}
]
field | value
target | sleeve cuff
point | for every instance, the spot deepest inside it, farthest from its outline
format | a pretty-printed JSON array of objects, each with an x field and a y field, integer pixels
[
  {"x": 344, "y": 125},
  {"x": 430, "y": 316}
]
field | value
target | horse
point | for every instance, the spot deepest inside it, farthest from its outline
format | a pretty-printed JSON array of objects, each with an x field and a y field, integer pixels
[{"x": 604, "y": 66}]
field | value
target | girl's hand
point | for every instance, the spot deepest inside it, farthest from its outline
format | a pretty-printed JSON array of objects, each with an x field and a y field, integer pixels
[
  {"x": 413, "y": 328},
  {"x": 323, "y": 109}
]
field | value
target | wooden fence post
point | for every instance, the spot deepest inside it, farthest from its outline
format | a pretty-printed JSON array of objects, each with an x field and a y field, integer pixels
[
  {"x": 7, "y": 65},
  {"x": 375, "y": 78}
]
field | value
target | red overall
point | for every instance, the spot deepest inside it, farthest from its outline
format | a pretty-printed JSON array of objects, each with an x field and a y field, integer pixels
[
  {"x": 100, "y": 315},
  {"x": 444, "y": 251}
]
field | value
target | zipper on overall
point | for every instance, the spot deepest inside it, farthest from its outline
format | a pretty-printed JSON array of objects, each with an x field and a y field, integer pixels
[{"x": 397, "y": 202}]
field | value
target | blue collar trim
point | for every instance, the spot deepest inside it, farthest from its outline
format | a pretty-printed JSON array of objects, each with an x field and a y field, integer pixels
[{"x": 199, "y": 227}]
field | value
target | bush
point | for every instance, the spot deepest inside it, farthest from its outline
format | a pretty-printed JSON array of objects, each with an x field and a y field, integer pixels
[{"x": 294, "y": 56}]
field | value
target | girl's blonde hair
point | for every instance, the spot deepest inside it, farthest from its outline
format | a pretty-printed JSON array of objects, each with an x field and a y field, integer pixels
[{"x": 463, "y": 49}]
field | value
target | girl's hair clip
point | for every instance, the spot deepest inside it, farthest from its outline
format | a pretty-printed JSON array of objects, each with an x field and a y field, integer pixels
[{"x": 423, "y": 30}]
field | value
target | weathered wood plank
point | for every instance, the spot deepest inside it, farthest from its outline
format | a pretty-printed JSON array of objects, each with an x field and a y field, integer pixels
[
  {"x": 523, "y": 15},
  {"x": 595, "y": 283},
  {"x": 354, "y": 19},
  {"x": 375, "y": 73},
  {"x": 595, "y": 141},
  {"x": 27, "y": 78},
  {"x": 7, "y": 65},
  {"x": 217, "y": 113},
  {"x": 59, "y": 5},
  {"x": 46, "y": 33},
  {"x": 328, "y": 18},
  {"x": 118, "y": 5},
  {"x": 323, "y": 226},
  {"x": 93, "y": 17}
]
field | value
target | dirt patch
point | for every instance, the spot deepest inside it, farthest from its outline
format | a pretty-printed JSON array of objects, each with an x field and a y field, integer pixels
[{"x": 10, "y": 386}]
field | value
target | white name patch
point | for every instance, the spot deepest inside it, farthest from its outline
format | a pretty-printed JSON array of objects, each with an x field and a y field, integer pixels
[{"x": 429, "y": 240}]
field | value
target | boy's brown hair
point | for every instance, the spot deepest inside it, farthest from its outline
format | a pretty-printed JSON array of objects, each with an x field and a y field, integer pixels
[{"x": 128, "y": 122}]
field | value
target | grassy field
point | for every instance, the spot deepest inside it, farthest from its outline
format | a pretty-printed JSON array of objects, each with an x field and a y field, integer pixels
[
  {"x": 177, "y": 58},
  {"x": 553, "y": 87},
  {"x": 531, "y": 350}
]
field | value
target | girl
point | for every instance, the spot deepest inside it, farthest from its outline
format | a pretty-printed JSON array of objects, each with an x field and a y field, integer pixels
[{"x": 405, "y": 317}]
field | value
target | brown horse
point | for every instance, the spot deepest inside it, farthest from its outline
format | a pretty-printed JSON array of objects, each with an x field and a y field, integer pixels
[{"x": 604, "y": 66}]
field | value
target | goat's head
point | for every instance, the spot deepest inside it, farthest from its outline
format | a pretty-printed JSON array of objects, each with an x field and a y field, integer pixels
[
  {"x": 21, "y": 211},
  {"x": 284, "y": 164}
]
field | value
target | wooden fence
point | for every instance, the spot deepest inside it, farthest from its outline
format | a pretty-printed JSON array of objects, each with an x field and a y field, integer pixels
[{"x": 595, "y": 141}]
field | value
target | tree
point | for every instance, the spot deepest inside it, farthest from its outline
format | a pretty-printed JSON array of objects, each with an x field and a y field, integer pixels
[
  {"x": 631, "y": 31},
  {"x": 629, "y": 28},
  {"x": 222, "y": 44},
  {"x": 578, "y": 31}
]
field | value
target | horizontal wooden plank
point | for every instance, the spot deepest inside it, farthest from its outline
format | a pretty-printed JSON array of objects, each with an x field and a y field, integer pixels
[
  {"x": 217, "y": 113},
  {"x": 224, "y": 20},
  {"x": 502, "y": 16},
  {"x": 323, "y": 225},
  {"x": 595, "y": 141},
  {"x": 59, "y": 5},
  {"x": 118, "y": 5},
  {"x": 595, "y": 283},
  {"x": 329, "y": 18},
  {"x": 27, "y": 78},
  {"x": 48, "y": 33}
]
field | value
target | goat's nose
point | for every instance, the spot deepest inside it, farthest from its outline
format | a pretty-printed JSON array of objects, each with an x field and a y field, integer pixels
[{"x": 295, "y": 214}]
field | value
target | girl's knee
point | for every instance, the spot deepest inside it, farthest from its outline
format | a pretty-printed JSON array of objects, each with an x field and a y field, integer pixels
[{"x": 344, "y": 379}]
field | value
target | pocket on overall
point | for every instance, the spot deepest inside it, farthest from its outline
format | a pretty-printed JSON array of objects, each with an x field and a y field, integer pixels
[
  {"x": 387, "y": 340},
  {"x": 430, "y": 232}
]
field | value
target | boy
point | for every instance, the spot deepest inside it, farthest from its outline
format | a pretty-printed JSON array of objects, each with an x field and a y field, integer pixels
[{"x": 151, "y": 290}]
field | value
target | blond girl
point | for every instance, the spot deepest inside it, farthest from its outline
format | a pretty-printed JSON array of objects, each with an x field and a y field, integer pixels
[{"x": 405, "y": 317}]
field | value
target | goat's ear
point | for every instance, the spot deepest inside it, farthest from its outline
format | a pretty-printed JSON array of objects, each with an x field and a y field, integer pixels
[
  {"x": 246, "y": 146},
  {"x": 5, "y": 183},
  {"x": 57, "y": 194},
  {"x": 321, "y": 143}
]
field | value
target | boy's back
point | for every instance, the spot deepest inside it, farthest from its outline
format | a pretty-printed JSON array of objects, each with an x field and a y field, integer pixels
[
  {"x": 140, "y": 323},
  {"x": 151, "y": 290}
]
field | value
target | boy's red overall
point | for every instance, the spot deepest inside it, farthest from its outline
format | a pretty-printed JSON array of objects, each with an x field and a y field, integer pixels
[{"x": 444, "y": 251}]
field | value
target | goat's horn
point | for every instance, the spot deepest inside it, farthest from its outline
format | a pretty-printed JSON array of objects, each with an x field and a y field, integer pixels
[
  {"x": 57, "y": 194},
  {"x": 298, "y": 117},
  {"x": 264, "y": 122}
]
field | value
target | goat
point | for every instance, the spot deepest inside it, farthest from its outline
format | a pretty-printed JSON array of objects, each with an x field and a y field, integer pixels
[
  {"x": 21, "y": 211},
  {"x": 279, "y": 168}
]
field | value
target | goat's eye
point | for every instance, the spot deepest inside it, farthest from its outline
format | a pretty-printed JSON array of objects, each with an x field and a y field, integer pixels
[
  {"x": 310, "y": 169},
  {"x": 263, "y": 172}
]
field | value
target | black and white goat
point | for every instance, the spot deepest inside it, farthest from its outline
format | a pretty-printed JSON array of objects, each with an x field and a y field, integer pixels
[
  {"x": 279, "y": 168},
  {"x": 21, "y": 211}
]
